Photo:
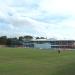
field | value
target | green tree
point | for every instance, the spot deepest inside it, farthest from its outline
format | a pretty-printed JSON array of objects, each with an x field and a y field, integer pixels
[
  {"x": 21, "y": 38},
  {"x": 28, "y": 37},
  {"x": 3, "y": 40}
]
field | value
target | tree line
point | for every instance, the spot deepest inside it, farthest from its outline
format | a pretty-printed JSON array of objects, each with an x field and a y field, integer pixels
[{"x": 16, "y": 41}]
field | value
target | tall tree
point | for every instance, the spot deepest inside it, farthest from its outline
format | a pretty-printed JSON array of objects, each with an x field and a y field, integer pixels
[
  {"x": 3, "y": 40},
  {"x": 21, "y": 38},
  {"x": 28, "y": 37},
  {"x": 41, "y": 38},
  {"x": 37, "y": 37}
]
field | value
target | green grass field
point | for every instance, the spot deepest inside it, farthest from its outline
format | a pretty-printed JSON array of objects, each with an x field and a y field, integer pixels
[{"x": 22, "y": 61}]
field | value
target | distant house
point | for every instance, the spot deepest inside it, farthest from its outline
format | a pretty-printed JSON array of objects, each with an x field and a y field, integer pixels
[
  {"x": 41, "y": 43},
  {"x": 46, "y": 44}
]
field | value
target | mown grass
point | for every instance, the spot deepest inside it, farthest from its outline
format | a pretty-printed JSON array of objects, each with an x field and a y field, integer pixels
[{"x": 23, "y": 61}]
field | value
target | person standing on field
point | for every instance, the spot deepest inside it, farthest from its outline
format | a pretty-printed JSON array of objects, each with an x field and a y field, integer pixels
[{"x": 58, "y": 51}]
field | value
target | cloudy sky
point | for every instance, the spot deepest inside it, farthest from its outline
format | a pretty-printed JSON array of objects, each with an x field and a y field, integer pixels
[{"x": 49, "y": 18}]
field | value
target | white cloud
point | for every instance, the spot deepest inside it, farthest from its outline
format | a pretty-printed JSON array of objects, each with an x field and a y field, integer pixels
[
  {"x": 58, "y": 6},
  {"x": 69, "y": 23},
  {"x": 22, "y": 16}
]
